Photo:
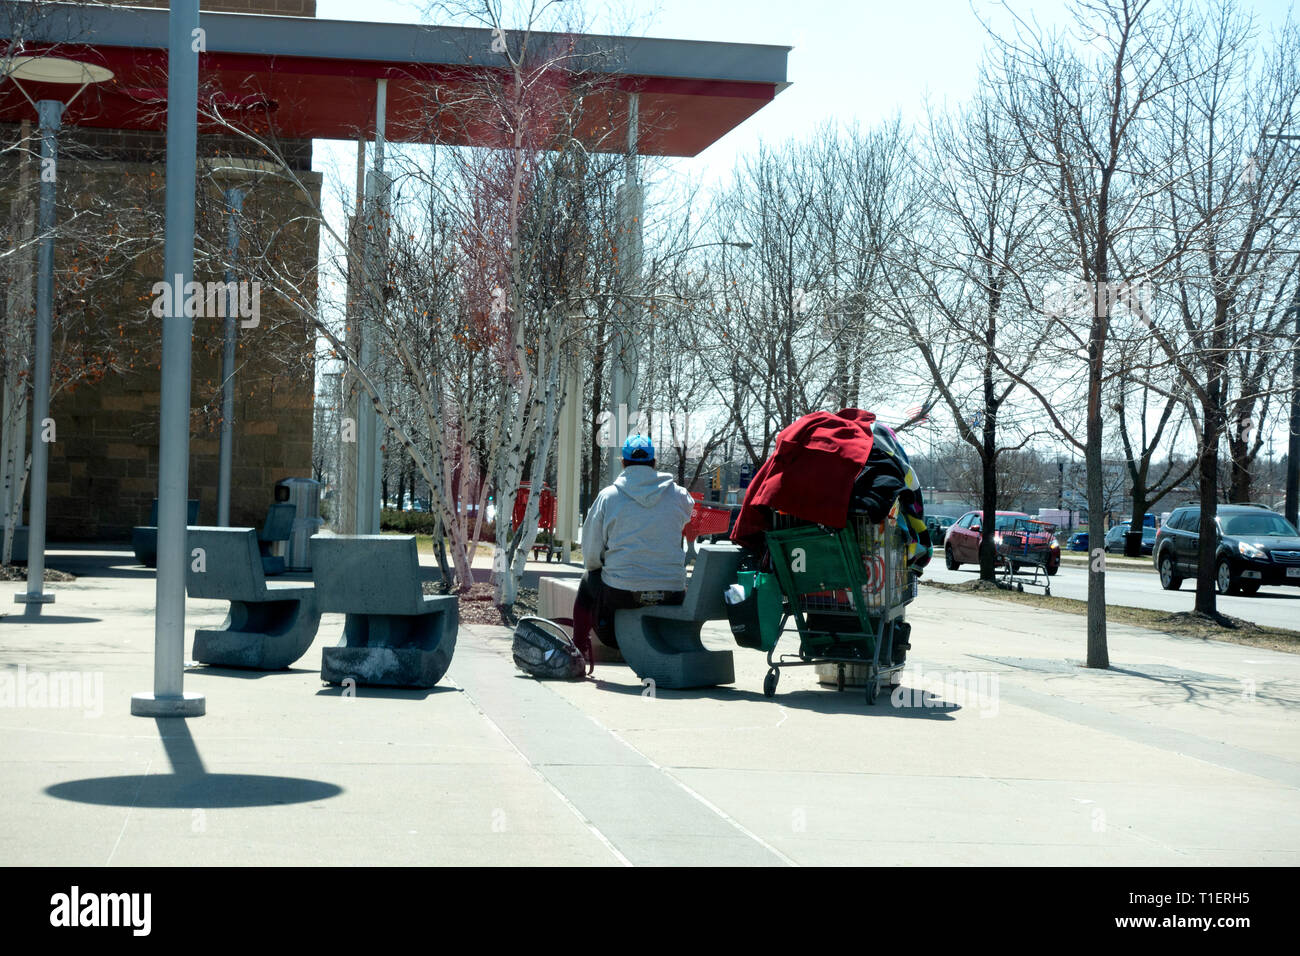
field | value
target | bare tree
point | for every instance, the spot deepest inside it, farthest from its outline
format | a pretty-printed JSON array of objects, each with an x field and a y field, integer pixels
[
  {"x": 1077, "y": 111},
  {"x": 959, "y": 291}
]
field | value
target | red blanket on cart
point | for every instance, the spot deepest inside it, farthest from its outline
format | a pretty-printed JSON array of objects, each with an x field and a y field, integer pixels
[{"x": 810, "y": 474}]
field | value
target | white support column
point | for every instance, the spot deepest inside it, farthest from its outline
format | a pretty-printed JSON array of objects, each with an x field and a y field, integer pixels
[
  {"x": 369, "y": 455},
  {"x": 626, "y": 346},
  {"x": 568, "y": 466},
  {"x": 234, "y": 198},
  {"x": 351, "y": 397}
]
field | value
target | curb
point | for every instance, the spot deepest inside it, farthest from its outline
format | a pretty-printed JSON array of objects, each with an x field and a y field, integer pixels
[{"x": 1113, "y": 563}]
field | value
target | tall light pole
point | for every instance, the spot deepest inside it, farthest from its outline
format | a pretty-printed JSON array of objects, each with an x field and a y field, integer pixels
[
  {"x": 169, "y": 698},
  {"x": 44, "y": 432}
]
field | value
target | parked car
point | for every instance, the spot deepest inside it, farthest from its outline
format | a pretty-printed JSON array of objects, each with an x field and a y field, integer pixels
[
  {"x": 939, "y": 525},
  {"x": 1078, "y": 541},
  {"x": 1115, "y": 538},
  {"x": 1255, "y": 547},
  {"x": 962, "y": 544}
]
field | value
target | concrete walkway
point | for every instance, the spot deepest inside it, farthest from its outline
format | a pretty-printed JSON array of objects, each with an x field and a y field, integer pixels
[{"x": 1186, "y": 752}]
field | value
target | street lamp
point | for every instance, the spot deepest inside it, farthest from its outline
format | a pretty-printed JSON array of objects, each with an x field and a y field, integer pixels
[{"x": 50, "y": 114}]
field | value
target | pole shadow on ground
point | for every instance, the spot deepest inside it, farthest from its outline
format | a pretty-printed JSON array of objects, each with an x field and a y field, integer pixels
[{"x": 190, "y": 784}]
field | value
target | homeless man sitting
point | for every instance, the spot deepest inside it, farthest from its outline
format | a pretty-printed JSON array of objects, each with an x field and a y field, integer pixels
[{"x": 631, "y": 546}]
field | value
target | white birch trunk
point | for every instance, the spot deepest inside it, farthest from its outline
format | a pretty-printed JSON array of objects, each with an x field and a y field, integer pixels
[{"x": 16, "y": 336}]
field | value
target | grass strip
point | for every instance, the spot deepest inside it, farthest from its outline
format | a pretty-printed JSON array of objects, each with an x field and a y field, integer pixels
[{"x": 1190, "y": 624}]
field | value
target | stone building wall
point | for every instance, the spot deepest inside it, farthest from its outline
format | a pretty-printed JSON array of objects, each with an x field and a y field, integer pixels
[{"x": 104, "y": 463}]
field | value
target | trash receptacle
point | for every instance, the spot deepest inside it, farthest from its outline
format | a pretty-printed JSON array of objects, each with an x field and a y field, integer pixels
[{"x": 304, "y": 495}]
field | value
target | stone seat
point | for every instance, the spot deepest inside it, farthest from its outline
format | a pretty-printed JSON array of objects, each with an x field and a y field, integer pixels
[
  {"x": 144, "y": 538},
  {"x": 662, "y": 643},
  {"x": 555, "y": 600},
  {"x": 270, "y": 623},
  {"x": 394, "y": 635}
]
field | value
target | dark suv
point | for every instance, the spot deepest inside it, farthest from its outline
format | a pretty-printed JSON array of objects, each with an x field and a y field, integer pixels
[{"x": 1256, "y": 547}]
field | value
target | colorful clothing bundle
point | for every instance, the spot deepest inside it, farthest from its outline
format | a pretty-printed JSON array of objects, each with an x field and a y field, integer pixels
[
  {"x": 827, "y": 466},
  {"x": 888, "y": 477}
]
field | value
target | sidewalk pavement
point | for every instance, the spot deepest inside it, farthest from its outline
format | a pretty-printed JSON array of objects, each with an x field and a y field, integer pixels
[{"x": 1186, "y": 752}]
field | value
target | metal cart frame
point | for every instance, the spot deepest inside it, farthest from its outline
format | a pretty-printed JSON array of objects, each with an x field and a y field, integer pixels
[
  {"x": 1017, "y": 548},
  {"x": 847, "y": 591}
]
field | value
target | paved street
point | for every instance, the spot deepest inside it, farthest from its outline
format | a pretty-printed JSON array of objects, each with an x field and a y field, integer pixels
[
  {"x": 1186, "y": 752},
  {"x": 1277, "y": 607}
]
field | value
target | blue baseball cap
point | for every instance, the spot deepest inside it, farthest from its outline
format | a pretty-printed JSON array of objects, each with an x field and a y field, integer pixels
[{"x": 638, "y": 448}]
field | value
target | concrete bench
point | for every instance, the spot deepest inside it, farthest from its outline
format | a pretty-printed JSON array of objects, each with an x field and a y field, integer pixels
[
  {"x": 551, "y": 551},
  {"x": 144, "y": 538},
  {"x": 270, "y": 624},
  {"x": 395, "y": 635},
  {"x": 662, "y": 643},
  {"x": 555, "y": 600}
]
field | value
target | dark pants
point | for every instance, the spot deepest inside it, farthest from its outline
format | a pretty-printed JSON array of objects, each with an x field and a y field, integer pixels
[{"x": 596, "y": 603}]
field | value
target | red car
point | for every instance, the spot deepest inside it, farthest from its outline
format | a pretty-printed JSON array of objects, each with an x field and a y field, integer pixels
[{"x": 962, "y": 544}]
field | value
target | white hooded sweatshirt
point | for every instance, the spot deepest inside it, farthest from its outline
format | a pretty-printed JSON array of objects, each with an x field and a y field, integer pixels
[{"x": 633, "y": 532}]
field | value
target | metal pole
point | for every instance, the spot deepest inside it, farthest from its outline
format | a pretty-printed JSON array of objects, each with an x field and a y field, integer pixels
[
  {"x": 567, "y": 471},
  {"x": 623, "y": 375},
  {"x": 369, "y": 463},
  {"x": 169, "y": 698},
  {"x": 235, "y": 204},
  {"x": 1293, "y": 440},
  {"x": 349, "y": 448},
  {"x": 51, "y": 114},
  {"x": 380, "y": 234}
]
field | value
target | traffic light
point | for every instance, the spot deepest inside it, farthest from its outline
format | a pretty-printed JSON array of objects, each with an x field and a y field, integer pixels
[{"x": 717, "y": 479}]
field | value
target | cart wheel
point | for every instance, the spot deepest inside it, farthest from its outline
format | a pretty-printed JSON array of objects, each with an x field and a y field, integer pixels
[
  {"x": 769, "y": 682},
  {"x": 839, "y": 677},
  {"x": 873, "y": 685},
  {"x": 1020, "y": 588},
  {"x": 1047, "y": 592}
]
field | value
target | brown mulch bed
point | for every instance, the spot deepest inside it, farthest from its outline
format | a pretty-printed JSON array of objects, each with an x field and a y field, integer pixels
[
  {"x": 18, "y": 572},
  {"x": 476, "y": 605}
]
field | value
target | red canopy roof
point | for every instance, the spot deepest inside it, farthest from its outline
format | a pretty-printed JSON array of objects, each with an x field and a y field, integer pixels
[{"x": 311, "y": 78}]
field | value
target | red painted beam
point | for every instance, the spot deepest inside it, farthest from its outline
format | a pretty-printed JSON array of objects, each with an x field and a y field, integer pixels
[{"x": 323, "y": 98}]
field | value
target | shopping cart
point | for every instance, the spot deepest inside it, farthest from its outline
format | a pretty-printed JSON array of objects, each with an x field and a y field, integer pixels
[
  {"x": 1027, "y": 544},
  {"x": 847, "y": 591}
]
